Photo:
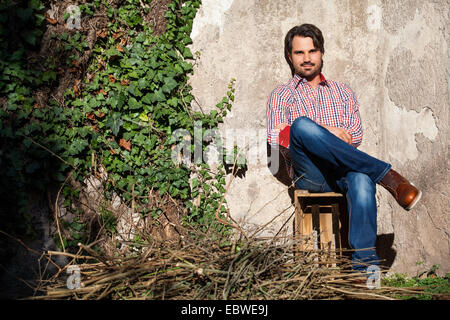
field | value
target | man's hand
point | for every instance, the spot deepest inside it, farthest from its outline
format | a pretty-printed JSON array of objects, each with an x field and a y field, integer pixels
[{"x": 340, "y": 133}]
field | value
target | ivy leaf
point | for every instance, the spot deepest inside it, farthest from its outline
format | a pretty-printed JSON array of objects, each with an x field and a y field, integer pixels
[
  {"x": 159, "y": 96},
  {"x": 142, "y": 83},
  {"x": 17, "y": 55},
  {"x": 117, "y": 100},
  {"x": 77, "y": 226},
  {"x": 77, "y": 146},
  {"x": 173, "y": 102},
  {"x": 112, "y": 52},
  {"x": 187, "y": 54},
  {"x": 153, "y": 63},
  {"x": 134, "y": 74},
  {"x": 24, "y": 14},
  {"x": 36, "y": 5},
  {"x": 169, "y": 84},
  {"x": 30, "y": 37},
  {"x": 134, "y": 61},
  {"x": 133, "y": 103},
  {"x": 134, "y": 91},
  {"x": 143, "y": 117},
  {"x": 114, "y": 123},
  {"x": 147, "y": 99},
  {"x": 47, "y": 75}
]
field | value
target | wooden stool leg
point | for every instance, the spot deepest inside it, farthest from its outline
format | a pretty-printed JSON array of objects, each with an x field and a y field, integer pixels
[
  {"x": 336, "y": 227},
  {"x": 326, "y": 230},
  {"x": 326, "y": 236},
  {"x": 303, "y": 224},
  {"x": 297, "y": 219},
  {"x": 298, "y": 225},
  {"x": 315, "y": 225}
]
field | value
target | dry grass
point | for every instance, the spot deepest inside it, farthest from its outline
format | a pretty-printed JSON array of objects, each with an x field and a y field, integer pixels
[{"x": 202, "y": 266}]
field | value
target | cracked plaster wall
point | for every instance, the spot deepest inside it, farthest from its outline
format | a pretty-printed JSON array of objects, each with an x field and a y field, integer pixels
[{"x": 393, "y": 54}]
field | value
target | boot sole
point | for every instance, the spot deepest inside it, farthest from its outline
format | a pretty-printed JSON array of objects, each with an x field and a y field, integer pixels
[{"x": 415, "y": 201}]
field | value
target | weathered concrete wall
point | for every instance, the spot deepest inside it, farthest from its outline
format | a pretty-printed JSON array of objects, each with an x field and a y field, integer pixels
[{"x": 393, "y": 54}]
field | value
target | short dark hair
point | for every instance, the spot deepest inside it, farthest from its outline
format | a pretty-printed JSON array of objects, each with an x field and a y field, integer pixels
[{"x": 304, "y": 30}]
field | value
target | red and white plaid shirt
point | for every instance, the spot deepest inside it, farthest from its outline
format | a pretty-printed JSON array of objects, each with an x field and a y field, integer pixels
[{"x": 332, "y": 103}]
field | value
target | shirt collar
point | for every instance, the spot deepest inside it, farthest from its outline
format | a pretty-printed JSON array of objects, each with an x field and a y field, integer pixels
[{"x": 298, "y": 79}]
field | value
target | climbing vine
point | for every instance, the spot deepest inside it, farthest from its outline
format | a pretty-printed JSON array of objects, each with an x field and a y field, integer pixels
[{"x": 119, "y": 114}]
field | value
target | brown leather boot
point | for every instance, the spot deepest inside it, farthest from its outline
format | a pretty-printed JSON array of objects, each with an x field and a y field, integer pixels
[{"x": 406, "y": 194}]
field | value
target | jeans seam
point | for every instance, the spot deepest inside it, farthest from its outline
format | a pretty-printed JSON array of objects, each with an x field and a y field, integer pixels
[
  {"x": 349, "y": 220},
  {"x": 321, "y": 185}
]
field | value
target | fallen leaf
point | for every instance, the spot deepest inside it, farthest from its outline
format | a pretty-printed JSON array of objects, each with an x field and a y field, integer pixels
[
  {"x": 101, "y": 115},
  {"x": 90, "y": 116},
  {"x": 125, "y": 82},
  {"x": 125, "y": 144},
  {"x": 36, "y": 106},
  {"x": 111, "y": 78},
  {"x": 112, "y": 150},
  {"x": 102, "y": 33},
  {"x": 50, "y": 20},
  {"x": 117, "y": 34},
  {"x": 72, "y": 70},
  {"x": 119, "y": 48},
  {"x": 123, "y": 42},
  {"x": 76, "y": 63},
  {"x": 76, "y": 90},
  {"x": 103, "y": 92}
]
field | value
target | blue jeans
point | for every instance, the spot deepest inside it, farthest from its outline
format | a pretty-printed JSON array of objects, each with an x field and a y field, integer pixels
[{"x": 323, "y": 163}]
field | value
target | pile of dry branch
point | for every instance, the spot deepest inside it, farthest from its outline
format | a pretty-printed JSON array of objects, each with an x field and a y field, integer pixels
[{"x": 204, "y": 266}]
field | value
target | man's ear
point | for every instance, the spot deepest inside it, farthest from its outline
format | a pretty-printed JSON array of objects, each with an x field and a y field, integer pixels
[{"x": 290, "y": 58}]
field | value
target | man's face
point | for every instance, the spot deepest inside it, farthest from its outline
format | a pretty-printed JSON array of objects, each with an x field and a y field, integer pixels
[{"x": 307, "y": 59}]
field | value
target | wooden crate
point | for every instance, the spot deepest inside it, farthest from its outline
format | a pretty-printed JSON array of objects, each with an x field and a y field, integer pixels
[{"x": 321, "y": 218}]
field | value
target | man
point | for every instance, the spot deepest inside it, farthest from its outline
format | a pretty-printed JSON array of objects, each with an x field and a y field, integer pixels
[{"x": 322, "y": 120}]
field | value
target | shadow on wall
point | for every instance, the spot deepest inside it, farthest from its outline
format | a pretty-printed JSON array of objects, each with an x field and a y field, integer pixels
[
  {"x": 384, "y": 249},
  {"x": 278, "y": 167},
  {"x": 281, "y": 171}
]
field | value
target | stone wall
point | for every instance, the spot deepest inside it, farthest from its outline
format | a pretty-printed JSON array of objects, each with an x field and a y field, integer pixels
[{"x": 393, "y": 54}]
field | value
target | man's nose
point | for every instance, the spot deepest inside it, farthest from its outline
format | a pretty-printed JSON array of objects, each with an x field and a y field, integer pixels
[{"x": 306, "y": 57}]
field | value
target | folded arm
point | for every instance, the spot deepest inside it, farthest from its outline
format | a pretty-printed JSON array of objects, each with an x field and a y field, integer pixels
[{"x": 341, "y": 133}]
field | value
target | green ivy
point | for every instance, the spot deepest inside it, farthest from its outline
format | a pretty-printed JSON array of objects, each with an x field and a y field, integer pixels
[{"x": 123, "y": 113}]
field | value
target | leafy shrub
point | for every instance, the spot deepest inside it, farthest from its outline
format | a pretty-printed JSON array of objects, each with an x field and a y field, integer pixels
[{"x": 120, "y": 114}]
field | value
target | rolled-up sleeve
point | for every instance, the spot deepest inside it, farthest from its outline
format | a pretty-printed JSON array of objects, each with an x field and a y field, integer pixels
[
  {"x": 351, "y": 118},
  {"x": 276, "y": 114}
]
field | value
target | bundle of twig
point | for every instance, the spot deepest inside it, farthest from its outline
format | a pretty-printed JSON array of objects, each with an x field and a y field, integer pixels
[{"x": 203, "y": 267}]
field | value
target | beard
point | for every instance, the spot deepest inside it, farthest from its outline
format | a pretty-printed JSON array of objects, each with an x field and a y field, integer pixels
[{"x": 314, "y": 70}]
